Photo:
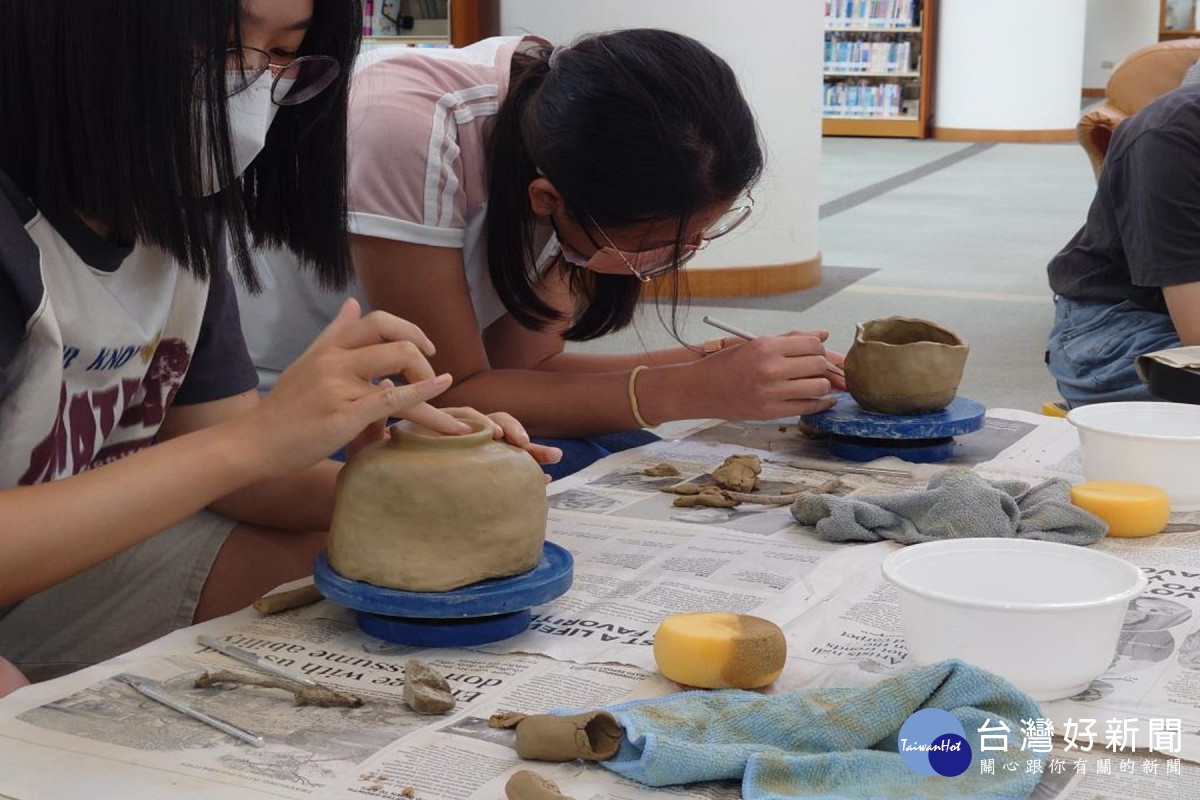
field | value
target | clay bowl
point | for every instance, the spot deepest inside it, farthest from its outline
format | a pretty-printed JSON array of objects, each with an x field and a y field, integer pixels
[{"x": 900, "y": 365}]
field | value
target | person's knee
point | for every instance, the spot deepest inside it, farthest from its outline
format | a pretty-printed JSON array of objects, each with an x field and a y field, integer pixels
[
  {"x": 11, "y": 678},
  {"x": 253, "y": 561}
]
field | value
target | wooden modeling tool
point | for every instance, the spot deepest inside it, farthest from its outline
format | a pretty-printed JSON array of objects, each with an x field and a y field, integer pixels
[{"x": 256, "y": 661}]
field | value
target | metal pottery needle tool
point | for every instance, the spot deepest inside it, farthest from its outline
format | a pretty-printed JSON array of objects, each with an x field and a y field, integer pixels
[
  {"x": 743, "y": 334},
  {"x": 154, "y": 691}
]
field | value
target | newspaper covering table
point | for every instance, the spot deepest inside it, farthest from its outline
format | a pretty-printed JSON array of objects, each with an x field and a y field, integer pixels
[{"x": 638, "y": 559}]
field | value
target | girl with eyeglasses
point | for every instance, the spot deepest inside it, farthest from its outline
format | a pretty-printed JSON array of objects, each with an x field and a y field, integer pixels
[
  {"x": 157, "y": 133},
  {"x": 510, "y": 197}
]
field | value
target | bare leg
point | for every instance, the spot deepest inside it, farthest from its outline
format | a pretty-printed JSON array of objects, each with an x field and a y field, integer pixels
[
  {"x": 10, "y": 678},
  {"x": 253, "y": 561}
]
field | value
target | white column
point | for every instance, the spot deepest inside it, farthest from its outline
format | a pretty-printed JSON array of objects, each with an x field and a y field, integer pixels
[
  {"x": 1115, "y": 28},
  {"x": 1009, "y": 65},
  {"x": 775, "y": 47}
]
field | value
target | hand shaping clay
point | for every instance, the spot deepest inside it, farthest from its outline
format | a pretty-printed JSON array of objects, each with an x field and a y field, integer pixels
[
  {"x": 715, "y": 650},
  {"x": 904, "y": 366},
  {"x": 425, "y": 512},
  {"x": 592, "y": 736},
  {"x": 425, "y": 690},
  {"x": 526, "y": 785},
  {"x": 738, "y": 473}
]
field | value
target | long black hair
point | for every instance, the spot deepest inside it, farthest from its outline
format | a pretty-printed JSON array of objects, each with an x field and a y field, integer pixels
[
  {"x": 104, "y": 105},
  {"x": 631, "y": 126}
]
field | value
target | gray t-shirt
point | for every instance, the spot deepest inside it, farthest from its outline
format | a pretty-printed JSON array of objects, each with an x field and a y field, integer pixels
[{"x": 1143, "y": 229}]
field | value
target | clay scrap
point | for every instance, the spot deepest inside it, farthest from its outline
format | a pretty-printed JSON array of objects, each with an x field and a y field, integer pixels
[
  {"x": 661, "y": 470},
  {"x": 736, "y": 481},
  {"x": 739, "y": 473},
  {"x": 302, "y": 695},
  {"x": 709, "y": 496},
  {"x": 425, "y": 690},
  {"x": 592, "y": 736},
  {"x": 287, "y": 600},
  {"x": 526, "y": 785}
]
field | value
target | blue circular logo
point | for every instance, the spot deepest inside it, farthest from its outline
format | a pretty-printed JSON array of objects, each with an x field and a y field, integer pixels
[{"x": 933, "y": 742}]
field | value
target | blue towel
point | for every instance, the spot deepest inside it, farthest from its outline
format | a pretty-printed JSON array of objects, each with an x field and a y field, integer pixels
[{"x": 826, "y": 743}]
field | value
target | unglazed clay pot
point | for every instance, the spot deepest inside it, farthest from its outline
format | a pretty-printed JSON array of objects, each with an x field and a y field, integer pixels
[
  {"x": 426, "y": 512},
  {"x": 904, "y": 366}
]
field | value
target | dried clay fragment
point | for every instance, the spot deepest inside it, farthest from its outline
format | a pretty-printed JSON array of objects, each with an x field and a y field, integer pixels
[
  {"x": 425, "y": 690},
  {"x": 285, "y": 601},
  {"x": 738, "y": 473},
  {"x": 592, "y": 736},
  {"x": 709, "y": 496},
  {"x": 303, "y": 695},
  {"x": 526, "y": 785},
  {"x": 661, "y": 470},
  {"x": 682, "y": 488}
]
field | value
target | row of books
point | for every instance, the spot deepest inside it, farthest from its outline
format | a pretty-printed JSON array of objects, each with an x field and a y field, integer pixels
[
  {"x": 863, "y": 55},
  {"x": 871, "y": 13},
  {"x": 862, "y": 99}
]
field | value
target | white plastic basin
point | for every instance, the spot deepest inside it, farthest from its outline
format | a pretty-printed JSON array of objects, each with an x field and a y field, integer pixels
[
  {"x": 1154, "y": 443},
  {"x": 1044, "y": 616}
]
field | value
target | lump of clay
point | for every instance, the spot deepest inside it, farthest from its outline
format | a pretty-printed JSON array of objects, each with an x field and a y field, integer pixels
[
  {"x": 426, "y": 512},
  {"x": 526, "y": 785},
  {"x": 904, "y": 366},
  {"x": 661, "y": 470},
  {"x": 738, "y": 473},
  {"x": 592, "y": 736},
  {"x": 715, "y": 650},
  {"x": 708, "y": 497},
  {"x": 425, "y": 690}
]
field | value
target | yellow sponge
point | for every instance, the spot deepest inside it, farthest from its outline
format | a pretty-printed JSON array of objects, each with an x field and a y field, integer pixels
[
  {"x": 715, "y": 650},
  {"x": 1130, "y": 509}
]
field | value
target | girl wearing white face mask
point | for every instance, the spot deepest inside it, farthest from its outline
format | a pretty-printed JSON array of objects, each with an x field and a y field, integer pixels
[
  {"x": 510, "y": 197},
  {"x": 143, "y": 483}
]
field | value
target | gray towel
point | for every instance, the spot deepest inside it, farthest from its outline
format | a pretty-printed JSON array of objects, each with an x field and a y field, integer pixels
[{"x": 957, "y": 504}]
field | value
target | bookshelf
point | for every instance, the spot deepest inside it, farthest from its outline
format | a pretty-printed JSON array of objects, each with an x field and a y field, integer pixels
[
  {"x": 1177, "y": 20},
  {"x": 878, "y": 68},
  {"x": 429, "y": 23}
]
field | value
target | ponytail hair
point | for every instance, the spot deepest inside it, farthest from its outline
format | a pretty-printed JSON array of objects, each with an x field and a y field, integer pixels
[{"x": 631, "y": 127}]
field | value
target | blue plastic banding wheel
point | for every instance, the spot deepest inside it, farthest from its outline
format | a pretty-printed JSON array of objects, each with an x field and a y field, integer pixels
[
  {"x": 858, "y": 435},
  {"x": 917, "y": 451},
  {"x": 482, "y": 612},
  {"x": 444, "y": 632}
]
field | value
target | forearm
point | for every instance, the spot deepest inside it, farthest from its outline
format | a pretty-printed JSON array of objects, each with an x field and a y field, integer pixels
[
  {"x": 302, "y": 501},
  {"x": 623, "y": 362},
  {"x": 54, "y": 530},
  {"x": 571, "y": 404}
]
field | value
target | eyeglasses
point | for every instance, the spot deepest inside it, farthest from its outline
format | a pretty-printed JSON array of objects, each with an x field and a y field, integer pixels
[
  {"x": 649, "y": 264},
  {"x": 299, "y": 80}
]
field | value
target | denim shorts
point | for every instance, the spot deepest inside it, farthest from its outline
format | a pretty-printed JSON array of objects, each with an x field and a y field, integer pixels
[{"x": 1092, "y": 347}]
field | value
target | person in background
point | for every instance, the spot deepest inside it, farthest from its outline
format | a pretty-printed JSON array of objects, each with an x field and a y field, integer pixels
[
  {"x": 1128, "y": 283},
  {"x": 137, "y": 135},
  {"x": 511, "y": 198}
]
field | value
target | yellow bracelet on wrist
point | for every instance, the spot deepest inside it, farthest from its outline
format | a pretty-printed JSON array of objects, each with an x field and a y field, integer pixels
[{"x": 633, "y": 402}]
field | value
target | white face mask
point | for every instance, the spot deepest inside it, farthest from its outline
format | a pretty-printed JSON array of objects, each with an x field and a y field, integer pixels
[
  {"x": 569, "y": 255},
  {"x": 251, "y": 112}
]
